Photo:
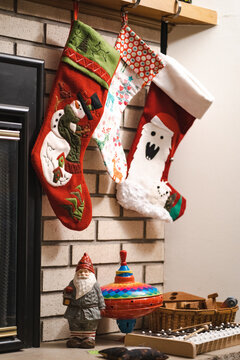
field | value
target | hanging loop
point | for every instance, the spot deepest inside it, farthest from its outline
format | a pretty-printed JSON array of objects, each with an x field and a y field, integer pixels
[
  {"x": 75, "y": 9},
  {"x": 124, "y": 18},
  {"x": 124, "y": 12},
  {"x": 173, "y": 16}
]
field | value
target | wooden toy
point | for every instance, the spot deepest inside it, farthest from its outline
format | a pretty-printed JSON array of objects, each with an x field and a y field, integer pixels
[
  {"x": 181, "y": 309},
  {"x": 185, "y": 343}
]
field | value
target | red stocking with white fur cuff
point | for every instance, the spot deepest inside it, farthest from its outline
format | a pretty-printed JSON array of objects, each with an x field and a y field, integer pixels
[{"x": 166, "y": 118}]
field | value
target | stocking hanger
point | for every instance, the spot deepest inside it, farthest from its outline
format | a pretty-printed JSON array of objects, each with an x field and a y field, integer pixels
[
  {"x": 129, "y": 6},
  {"x": 124, "y": 12},
  {"x": 164, "y": 26}
]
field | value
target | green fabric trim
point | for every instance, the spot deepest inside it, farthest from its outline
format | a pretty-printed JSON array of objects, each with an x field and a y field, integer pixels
[
  {"x": 85, "y": 71},
  {"x": 87, "y": 42},
  {"x": 75, "y": 211},
  {"x": 174, "y": 213}
]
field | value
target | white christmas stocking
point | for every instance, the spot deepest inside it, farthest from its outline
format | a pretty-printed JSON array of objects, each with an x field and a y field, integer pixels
[{"x": 138, "y": 66}]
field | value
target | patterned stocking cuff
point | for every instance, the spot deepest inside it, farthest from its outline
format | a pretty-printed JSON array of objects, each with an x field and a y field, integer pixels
[{"x": 138, "y": 55}]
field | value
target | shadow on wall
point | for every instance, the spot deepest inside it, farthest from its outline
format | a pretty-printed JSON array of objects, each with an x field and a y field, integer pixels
[{"x": 181, "y": 32}]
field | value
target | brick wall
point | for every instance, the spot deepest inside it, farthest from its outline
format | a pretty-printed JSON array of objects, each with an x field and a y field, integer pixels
[{"x": 40, "y": 31}]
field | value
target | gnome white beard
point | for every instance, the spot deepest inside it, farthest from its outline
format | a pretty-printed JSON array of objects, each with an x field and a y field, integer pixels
[{"x": 83, "y": 286}]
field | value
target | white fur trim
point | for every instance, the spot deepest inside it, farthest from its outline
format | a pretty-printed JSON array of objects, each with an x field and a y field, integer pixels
[
  {"x": 181, "y": 86},
  {"x": 133, "y": 196}
]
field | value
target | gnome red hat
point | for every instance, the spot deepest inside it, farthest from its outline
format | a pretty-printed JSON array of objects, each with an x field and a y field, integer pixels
[{"x": 85, "y": 263}]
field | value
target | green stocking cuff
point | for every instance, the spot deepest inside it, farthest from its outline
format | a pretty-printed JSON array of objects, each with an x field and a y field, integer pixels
[{"x": 88, "y": 52}]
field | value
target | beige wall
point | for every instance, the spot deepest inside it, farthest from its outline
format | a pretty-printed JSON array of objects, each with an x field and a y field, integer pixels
[
  {"x": 40, "y": 31},
  {"x": 202, "y": 248}
]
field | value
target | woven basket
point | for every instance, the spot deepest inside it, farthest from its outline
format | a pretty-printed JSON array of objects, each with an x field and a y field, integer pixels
[{"x": 163, "y": 318}]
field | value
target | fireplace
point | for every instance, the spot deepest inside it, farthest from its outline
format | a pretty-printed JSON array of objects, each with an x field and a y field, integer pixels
[{"x": 21, "y": 98}]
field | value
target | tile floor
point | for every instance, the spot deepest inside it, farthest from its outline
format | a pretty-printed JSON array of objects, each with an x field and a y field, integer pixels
[{"x": 58, "y": 351}]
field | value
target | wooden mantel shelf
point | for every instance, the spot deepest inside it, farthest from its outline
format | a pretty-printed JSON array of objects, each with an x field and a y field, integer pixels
[
  {"x": 148, "y": 9},
  {"x": 155, "y": 9}
]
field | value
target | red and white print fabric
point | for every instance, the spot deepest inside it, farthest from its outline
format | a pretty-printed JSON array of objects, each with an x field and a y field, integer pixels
[{"x": 137, "y": 54}]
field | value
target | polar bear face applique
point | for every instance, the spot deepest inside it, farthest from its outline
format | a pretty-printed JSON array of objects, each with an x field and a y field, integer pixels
[{"x": 151, "y": 153}]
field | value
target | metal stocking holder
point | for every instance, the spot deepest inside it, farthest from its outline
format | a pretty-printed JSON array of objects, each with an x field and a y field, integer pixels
[
  {"x": 129, "y": 6},
  {"x": 124, "y": 12},
  {"x": 164, "y": 27}
]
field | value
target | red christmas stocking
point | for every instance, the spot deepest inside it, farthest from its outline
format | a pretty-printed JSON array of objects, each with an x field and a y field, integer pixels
[
  {"x": 75, "y": 107},
  {"x": 175, "y": 99}
]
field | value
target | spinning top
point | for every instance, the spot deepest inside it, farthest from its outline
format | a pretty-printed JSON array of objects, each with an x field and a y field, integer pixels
[{"x": 126, "y": 299}]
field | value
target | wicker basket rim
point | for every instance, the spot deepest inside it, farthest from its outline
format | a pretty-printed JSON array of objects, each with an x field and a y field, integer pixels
[{"x": 199, "y": 311}]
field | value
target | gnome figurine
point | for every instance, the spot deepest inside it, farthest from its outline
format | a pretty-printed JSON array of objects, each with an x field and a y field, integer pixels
[{"x": 84, "y": 301}]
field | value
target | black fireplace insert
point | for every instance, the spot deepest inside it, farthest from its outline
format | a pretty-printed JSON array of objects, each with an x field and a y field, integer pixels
[{"x": 21, "y": 110}]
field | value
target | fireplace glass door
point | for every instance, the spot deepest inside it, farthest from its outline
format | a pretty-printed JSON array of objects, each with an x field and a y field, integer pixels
[
  {"x": 9, "y": 151},
  {"x": 21, "y": 98}
]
